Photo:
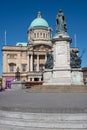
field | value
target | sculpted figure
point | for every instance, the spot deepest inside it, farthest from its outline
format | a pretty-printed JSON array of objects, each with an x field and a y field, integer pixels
[
  {"x": 75, "y": 61},
  {"x": 17, "y": 69},
  {"x": 17, "y": 74},
  {"x": 60, "y": 22},
  {"x": 49, "y": 62}
]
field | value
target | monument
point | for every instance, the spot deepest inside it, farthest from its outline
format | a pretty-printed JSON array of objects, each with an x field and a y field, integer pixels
[
  {"x": 17, "y": 84},
  {"x": 17, "y": 74},
  {"x": 76, "y": 71},
  {"x": 65, "y": 70}
]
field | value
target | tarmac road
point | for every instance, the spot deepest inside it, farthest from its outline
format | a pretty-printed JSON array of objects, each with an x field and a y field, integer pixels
[{"x": 20, "y": 100}]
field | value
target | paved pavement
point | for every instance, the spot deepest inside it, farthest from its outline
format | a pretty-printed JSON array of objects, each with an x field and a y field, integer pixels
[
  {"x": 20, "y": 100},
  {"x": 42, "y": 121}
]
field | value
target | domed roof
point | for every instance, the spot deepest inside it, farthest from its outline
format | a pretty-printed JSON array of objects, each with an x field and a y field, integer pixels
[
  {"x": 21, "y": 44},
  {"x": 39, "y": 22}
]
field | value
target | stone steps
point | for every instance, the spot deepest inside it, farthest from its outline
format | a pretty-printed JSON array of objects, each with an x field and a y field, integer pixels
[
  {"x": 58, "y": 89},
  {"x": 42, "y": 121}
]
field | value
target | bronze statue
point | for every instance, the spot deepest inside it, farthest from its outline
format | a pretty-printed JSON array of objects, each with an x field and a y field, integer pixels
[
  {"x": 60, "y": 22},
  {"x": 75, "y": 61},
  {"x": 17, "y": 74},
  {"x": 49, "y": 62}
]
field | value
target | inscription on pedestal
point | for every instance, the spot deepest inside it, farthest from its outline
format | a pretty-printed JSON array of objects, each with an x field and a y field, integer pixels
[{"x": 61, "y": 53}]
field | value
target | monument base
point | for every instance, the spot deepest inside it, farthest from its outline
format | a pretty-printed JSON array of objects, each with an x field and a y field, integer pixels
[
  {"x": 17, "y": 85},
  {"x": 57, "y": 77},
  {"x": 63, "y": 77},
  {"x": 77, "y": 76},
  {"x": 47, "y": 76}
]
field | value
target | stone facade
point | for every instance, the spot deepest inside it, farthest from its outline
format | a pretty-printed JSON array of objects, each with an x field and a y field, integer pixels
[{"x": 30, "y": 58}]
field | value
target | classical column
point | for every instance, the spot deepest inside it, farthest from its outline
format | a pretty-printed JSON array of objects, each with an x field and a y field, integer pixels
[
  {"x": 28, "y": 63},
  {"x": 45, "y": 58},
  {"x": 39, "y": 79},
  {"x": 32, "y": 79},
  {"x": 28, "y": 78},
  {"x": 31, "y": 63},
  {"x": 37, "y": 62}
]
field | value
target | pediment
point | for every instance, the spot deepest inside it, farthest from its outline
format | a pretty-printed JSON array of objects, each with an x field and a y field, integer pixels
[{"x": 41, "y": 48}]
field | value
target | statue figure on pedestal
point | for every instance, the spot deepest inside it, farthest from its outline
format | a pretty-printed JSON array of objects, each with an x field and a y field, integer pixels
[
  {"x": 17, "y": 74},
  {"x": 17, "y": 69},
  {"x": 49, "y": 62},
  {"x": 75, "y": 61},
  {"x": 60, "y": 22}
]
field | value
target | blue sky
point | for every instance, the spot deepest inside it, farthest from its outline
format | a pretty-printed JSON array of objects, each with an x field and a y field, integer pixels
[{"x": 16, "y": 16}]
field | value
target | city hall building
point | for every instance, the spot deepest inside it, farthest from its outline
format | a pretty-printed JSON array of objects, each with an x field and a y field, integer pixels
[{"x": 29, "y": 57}]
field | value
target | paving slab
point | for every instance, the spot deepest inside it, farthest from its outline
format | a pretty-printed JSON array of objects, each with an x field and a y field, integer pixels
[{"x": 21, "y": 100}]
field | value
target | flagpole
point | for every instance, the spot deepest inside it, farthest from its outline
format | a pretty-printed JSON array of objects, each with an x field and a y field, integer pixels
[
  {"x": 5, "y": 37},
  {"x": 75, "y": 40}
]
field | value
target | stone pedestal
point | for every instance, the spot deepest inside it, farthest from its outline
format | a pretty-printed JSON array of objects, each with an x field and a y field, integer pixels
[
  {"x": 47, "y": 76},
  {"x": 61, "y": 73},
  {"x": 17, "y": 84},
  {"x": 61, "y": 77},
  {"x": 61, "y": 69},
  {"x": 77, "y": 76},
  {"x": 57, "y": 77},
  {"x": 61, "y": 52}
]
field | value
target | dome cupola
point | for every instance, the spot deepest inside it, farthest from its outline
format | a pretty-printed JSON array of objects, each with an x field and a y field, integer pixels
[{"x": 39, "y": 22}]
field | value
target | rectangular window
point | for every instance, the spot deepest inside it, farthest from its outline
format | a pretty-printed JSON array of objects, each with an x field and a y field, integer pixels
[
  {"x": 43, "y": 35},
  {"x": 34, "y": 67},
  {"x": 23, "y": 67},
  {"x": 12, "y": 56},
  {"x": 37, "y": 35},
  {"x": 11, "y": 68}
]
